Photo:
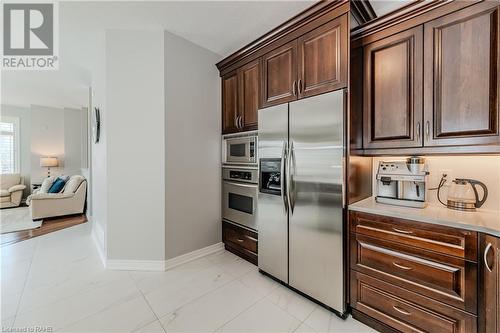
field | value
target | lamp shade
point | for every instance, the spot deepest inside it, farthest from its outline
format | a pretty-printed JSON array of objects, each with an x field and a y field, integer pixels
[{"x": 48, "y": 162}]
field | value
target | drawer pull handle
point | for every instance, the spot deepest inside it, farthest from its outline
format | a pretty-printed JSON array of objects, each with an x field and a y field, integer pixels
[
  {"x": 240, "y": 240},
  {"x": 406, "y": 232},
  {"x": 401, "y": 266},
  {"x": 398, "y": 309}
]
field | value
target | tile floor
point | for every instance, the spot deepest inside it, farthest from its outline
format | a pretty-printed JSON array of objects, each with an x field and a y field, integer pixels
[{"x": 57, "y": 281}]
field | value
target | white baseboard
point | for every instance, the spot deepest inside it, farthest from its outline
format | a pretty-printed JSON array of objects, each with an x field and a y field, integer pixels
[
  {"x": 99, "y": 238},
  {"x": 135, "y": 265},
  {"x": 184, "y": 258},
  {"x": 161, "y": 265}
]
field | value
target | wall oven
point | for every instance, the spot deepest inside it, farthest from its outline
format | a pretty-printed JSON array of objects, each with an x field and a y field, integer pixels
[
  {"x": 239, "y": 195},
  {"x": 240, "y": 149}
]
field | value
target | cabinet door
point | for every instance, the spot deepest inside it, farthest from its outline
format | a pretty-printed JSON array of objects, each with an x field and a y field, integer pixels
[
  {"x": 392, "y": 103},
  {"x": 279, "y": 75},
  {"x": 489, "y": 299},
  {"x": 230, "y": 103},
  {"x": 322, "y": 58},
  {"x": 249, "y": 79},
  {"x": 461, "y": 77}
]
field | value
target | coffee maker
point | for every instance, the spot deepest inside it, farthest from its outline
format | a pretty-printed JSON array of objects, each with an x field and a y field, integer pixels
[{"x": 402, "y": 183}]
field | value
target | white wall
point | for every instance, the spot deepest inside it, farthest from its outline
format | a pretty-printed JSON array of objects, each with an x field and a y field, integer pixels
[
  {"x": 47, "y": 139},
  {"x": 99, "y": 186},
  {"x": 135, "y": 142},
  {"x": 24, "y": 115},
  {"x": 483, "y": 168},
  {"x": 192, "y": 143}
]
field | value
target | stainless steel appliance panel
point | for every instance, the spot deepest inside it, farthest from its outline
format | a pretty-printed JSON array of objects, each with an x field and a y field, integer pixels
[
  {"x": 316, "y": 196},
  {"x": 239, "y": 203},
  {"x": 240, "y": 149},
  {"x": 272, "y": 220}
]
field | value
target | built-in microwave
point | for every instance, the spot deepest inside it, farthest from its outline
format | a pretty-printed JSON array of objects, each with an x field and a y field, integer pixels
[{"x": 240, "y": 149}]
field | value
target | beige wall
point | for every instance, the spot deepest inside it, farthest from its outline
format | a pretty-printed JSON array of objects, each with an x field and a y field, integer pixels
[{"x": 483, "y": 168}]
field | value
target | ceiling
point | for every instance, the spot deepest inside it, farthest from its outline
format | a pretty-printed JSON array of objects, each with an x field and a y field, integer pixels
[
  {"x": 219, "y": 26},
  {"x": 382, "y": 7}
]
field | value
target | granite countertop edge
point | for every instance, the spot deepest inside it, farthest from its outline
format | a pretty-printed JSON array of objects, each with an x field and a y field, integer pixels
[{"x": 369, "y": 205}]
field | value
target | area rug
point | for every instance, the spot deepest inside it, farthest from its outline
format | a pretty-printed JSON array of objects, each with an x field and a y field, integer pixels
[{"x": 16, "y": 219}]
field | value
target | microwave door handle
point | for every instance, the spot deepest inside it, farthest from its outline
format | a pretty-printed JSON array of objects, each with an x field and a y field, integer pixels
[{"x": 283, "y": 176}]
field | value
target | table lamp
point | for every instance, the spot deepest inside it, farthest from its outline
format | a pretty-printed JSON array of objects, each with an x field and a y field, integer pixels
[{"x": 48, "y": 162}]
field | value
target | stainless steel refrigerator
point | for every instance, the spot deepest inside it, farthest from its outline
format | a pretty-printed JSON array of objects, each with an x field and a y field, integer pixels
[{"x": 301, "y": 196}]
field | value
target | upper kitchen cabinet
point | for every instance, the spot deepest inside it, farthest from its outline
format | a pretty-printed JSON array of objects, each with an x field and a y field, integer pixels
[
  {"x": 230, "y": 113},
  {"x": 392, "y": 102},
  {"x": 279, "y": 79},
  {"x": 313, "y": 64},
  {"x": 305, "y": 56},
  {"x": 249, "y": 77},
  {"x": 322, "y": 58},
  {"x": 489, "y": 298},
  {"x": 240, "y": 98},
  {"x": 461, "y": 71}
]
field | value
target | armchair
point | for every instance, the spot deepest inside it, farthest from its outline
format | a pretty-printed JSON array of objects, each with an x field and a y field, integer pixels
[{"x": 11, "y": 190}]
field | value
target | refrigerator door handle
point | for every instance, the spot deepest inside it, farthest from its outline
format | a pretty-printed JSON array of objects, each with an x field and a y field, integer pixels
[
  {"x": 289, "y": 176},
  {"x": 284, "y": 154},
  {"x": 343, "y": 182}
]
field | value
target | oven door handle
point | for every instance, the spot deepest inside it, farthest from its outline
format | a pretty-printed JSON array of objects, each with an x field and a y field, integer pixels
[
  {"x": 284, "y": 157},
  {"x": 241, "y": 184}
]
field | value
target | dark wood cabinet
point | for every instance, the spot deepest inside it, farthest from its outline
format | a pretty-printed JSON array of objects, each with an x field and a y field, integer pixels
[
  {"x": 392, "y": 100},
  {"x": 279, "y": 75},
  {"x": 249, "y": 77},
  {"x": 410, "y": 276},
  {"x": 446, "y": 61},
  {"x": 240, "y": 98},
  {"x": 313, "y": 64},
  {"x": 230, "y": 111},
  {"x": 489, "y": 298},
  {"x": 461, "y": 77},
  {"x": 240, "y": 241},
  {"x": 322, "y": 58}
]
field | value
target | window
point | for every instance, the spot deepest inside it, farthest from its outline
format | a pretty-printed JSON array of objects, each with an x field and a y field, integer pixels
[{"x": 9, "y": 145}]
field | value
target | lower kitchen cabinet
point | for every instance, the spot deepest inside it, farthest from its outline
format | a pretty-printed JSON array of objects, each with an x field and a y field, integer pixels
[
  {"x": 408, "y": 276},
  {"x": 489, "y": 297},
  {"x": 240, "y": 241}
]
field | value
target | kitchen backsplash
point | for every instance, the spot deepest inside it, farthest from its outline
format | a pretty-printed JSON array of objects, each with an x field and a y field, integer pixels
[{"x": 483, "y": 168}]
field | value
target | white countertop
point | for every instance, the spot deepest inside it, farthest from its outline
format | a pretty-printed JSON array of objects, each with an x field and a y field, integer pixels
[{"x": 482, "y": 220}]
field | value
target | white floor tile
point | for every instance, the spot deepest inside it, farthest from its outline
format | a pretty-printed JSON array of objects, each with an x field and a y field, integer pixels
[
  {"x": 70, "y": 310},
  {"x": 154, "y": 327},
  {"x": 304, "y": 328},
  {"x": 323, "y": 321},
  {"x": 57, "y": 280},
  {"x": 122, "y": 317},
  {"x": 172, "y": 296},
  {"x": 264, "y": 316},
  {"x": 260, "y": 283},
  {"x": 293, "y": 303},
  {"x": 212, "y": 310}
]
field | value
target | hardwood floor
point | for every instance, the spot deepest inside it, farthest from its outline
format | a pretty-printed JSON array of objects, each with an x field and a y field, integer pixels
[{"x": 48, "y": 225}]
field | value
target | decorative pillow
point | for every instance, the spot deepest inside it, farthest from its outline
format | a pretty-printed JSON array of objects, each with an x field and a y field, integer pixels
[
  {"x": 57, "y": 186},
  {"x": 46, "y": 184},
  {"x": 73, "y": 184}
]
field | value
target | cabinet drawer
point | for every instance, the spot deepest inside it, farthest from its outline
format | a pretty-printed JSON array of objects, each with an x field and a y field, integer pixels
[
  {"x": 406, "y": 312},
  {"x": 447, "y": 279},
  {"x": 441, "y": 239},
  {"x": 241, "y": 240}
]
